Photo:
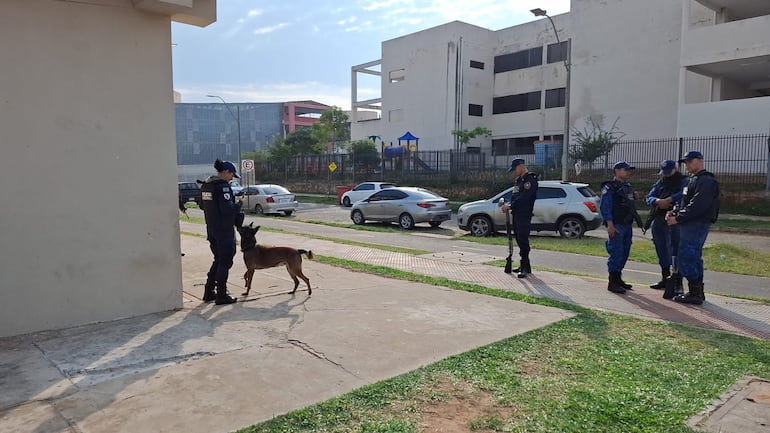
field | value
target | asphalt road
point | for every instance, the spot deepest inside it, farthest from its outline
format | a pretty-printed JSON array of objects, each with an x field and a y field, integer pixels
[{"x": 439, "y": 239}]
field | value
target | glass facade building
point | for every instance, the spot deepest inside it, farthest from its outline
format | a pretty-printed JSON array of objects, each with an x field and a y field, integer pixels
[{"x": 207, "y": 131}]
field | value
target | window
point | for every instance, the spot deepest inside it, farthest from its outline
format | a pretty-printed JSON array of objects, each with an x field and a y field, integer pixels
[
  {"x": 477, "y": 65},
  {"x": 514, "y": 103},
  {"x": 397, "y": 75},
  {"x": 557, "y": 52},
  {"x": 544, "y": 192},
  {"x": 365, "y": 187},
  {"x": 475, "y": 110},
  {"x": 519, "y": 60},
  {"x": 555, "y": 98},
  {"x": 515, "y": 146}
]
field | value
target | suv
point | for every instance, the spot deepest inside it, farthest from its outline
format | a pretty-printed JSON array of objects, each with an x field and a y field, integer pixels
[
  {"x": 568, "y": 208},
  {"x": 189, "y": 191}
]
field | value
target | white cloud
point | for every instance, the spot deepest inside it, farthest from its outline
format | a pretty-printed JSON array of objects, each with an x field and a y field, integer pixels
[
  {"x": 270, "y": 29},
  {"x": 255, "y": 12}
]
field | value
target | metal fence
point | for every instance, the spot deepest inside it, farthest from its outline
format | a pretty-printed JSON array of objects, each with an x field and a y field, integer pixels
[{"x": 740, "y": 162}]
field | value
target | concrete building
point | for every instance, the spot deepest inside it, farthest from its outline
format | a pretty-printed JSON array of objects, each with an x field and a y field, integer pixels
[
  {"x": 207, "y": 131},
  {"x": 661, "y": 68},
  {"x": 90, "y": 229}
]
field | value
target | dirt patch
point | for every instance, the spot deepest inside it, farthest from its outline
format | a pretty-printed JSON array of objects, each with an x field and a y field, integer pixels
[{"x": 459, "y": 407}]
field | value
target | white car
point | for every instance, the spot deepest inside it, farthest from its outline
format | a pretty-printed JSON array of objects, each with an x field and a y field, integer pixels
[
  {"x": 269, "y": 199},
  {"x": 405, "y": 205},
  {"x": 363, "y": 191},
  {"x": 568, "y": 208}
]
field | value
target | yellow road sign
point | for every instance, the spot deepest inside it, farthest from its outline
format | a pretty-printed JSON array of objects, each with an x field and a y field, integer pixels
[{"x": 332, "y": 166}]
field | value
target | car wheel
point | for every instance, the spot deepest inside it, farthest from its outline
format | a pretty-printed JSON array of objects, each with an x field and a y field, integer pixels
[
  {"x": 258, "y": 210},
  {"x": 288, "y": 212},
  {"x": 358, "y": 217},
  {"x": 572, "y": 228},
  {"x": 406, "y": 221},
  {"x": 346, "y": 201},
  {"x": 480, "y": 226},
  {"x": 435, "y": 223}
]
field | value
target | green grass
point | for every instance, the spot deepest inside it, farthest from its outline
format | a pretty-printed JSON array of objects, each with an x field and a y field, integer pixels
[
  {"x": 719, "y": 257},
  {"x": 730, "y": 223},
  {"x": 596, "y": 372},
  {"x": 327, "y": 199}
]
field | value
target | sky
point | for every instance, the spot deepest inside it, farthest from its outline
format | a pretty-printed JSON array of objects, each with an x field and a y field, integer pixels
[{"x": 290, "y": 50}]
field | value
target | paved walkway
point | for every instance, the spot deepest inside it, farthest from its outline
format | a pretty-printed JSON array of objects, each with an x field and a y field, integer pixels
[{"x": 465, "y": 263}]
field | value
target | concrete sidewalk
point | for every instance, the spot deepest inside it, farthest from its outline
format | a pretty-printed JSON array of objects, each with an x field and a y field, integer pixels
[{"x": 216, "y": 369}]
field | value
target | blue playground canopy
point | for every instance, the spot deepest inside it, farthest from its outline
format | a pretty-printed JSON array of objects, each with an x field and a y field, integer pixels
[{"x": 408, "y": 137}]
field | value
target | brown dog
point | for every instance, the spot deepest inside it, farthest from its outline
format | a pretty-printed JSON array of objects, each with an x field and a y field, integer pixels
[{"x": 259, "y": 257}]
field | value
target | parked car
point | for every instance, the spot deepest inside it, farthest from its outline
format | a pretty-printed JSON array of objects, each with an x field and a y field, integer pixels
[
  {"x": 269, "y": 199},
  {"x": 405, "y": 205},
  {"x": 362, "y": 191},
  {"x": 568, "y": 208},
  {"x": 189, "y": 191}
]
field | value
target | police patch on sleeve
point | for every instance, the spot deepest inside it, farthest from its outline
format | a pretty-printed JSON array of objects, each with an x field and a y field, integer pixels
[
  {"x": 227, "y": 196},
  {"x": 527, "y": 185},
  {"x": 605, "y": 189}
]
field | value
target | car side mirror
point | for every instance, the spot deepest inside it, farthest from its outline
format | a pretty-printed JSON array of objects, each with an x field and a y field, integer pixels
[{"x": 500, "y": 202}]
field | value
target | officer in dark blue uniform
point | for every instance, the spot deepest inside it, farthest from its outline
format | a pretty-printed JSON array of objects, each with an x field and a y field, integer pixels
[
  {"x": 666, "y": 192},
  {"x": 698, "y": 209},
  {"x": 618, "y": 212},
  {"x": 521, "y": 205},
  {"x": 222, "y": 213}
]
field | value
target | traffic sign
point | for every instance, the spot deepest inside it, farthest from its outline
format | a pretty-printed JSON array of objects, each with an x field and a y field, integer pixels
[
  {"x": 332, "y": 166},
  {"x": 247, "y": 165}
]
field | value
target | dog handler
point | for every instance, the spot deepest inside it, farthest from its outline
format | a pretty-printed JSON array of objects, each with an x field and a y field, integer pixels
[{"x": 221, "y": 211}]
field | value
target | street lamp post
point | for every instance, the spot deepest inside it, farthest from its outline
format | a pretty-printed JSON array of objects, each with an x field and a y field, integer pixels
[
  {"x": 237, "y": 124},
  {"x": 565, "y": 141}
]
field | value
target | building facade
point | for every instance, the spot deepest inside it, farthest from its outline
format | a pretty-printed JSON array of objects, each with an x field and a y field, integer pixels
[
  {"x": 657, "y": 68},
  {"x": 87, "y": 117},
  {"x": 207, "y": 131}
]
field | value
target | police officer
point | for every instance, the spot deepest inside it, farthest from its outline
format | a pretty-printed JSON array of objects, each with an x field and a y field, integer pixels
[
  {"x": 698, "y": 209},
  {"x": 521, "y": 205},
  {"x": 618, "y": 212},
  {"x": 222, "y": 213},
  {"x": 664, "y": 194}
]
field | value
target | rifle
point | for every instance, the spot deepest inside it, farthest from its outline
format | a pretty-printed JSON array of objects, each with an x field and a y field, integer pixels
[
  {"x": 508, "y": 228},
  {"x": 650, "y": 219}
]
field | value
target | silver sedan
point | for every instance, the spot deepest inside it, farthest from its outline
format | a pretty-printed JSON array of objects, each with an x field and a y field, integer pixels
[
  {"x": 405, "y": 205},
  {"x": 266, "y": 199}
]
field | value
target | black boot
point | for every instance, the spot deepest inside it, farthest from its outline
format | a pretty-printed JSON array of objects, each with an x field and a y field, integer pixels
[
  {"x": 695, "y": 296},
  {"x": 524, "y": 269},
  {"x": 208, "y": 292},
  {"x": 660, "y": 285},
  {"x": 223, "y": 297},
  {"x": 673, "y": 286},
  {"x": 614, "y": 285},
  {"x": 622, "y": 283}
]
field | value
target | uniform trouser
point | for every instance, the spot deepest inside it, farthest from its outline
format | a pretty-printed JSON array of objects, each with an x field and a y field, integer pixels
[
  {"x": 522, "y": 224},
  {"x": 666, "y": 240},
  {"x": 222, "y": 245},
  {"x": 690, "y": 256},
  {"x": 618, "y": 248}
]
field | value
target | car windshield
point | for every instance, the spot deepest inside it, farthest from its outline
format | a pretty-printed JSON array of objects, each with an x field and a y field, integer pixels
[
  {"x": 275, "y": 189},
  {"x": 424, "y": 194}
]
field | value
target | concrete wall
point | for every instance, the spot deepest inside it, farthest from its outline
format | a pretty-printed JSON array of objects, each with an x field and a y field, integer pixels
[
  {"x": 625, "y": 63},
  {"x": 742, "y": 116},
  {"x": 90, "y": 228}
]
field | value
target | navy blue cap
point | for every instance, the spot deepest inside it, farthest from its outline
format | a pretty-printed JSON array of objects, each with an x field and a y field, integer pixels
[
  {"x": 666, "y": 167},
  {"x": 693, "y": 154},
  {"x": 516, "y": 162},
  {"x": 229, "y": 166},
  {"x": 623, "y": 164}
]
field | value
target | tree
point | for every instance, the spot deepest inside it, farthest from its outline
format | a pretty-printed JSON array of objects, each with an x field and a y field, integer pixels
[
  {"x": 464, "y": 136},
  {"x": 303, "y": 142},
  {"x": 594, "y": 141},
  {"x": 333, "y": 127},
  {"x": 364, "y": 154}
]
